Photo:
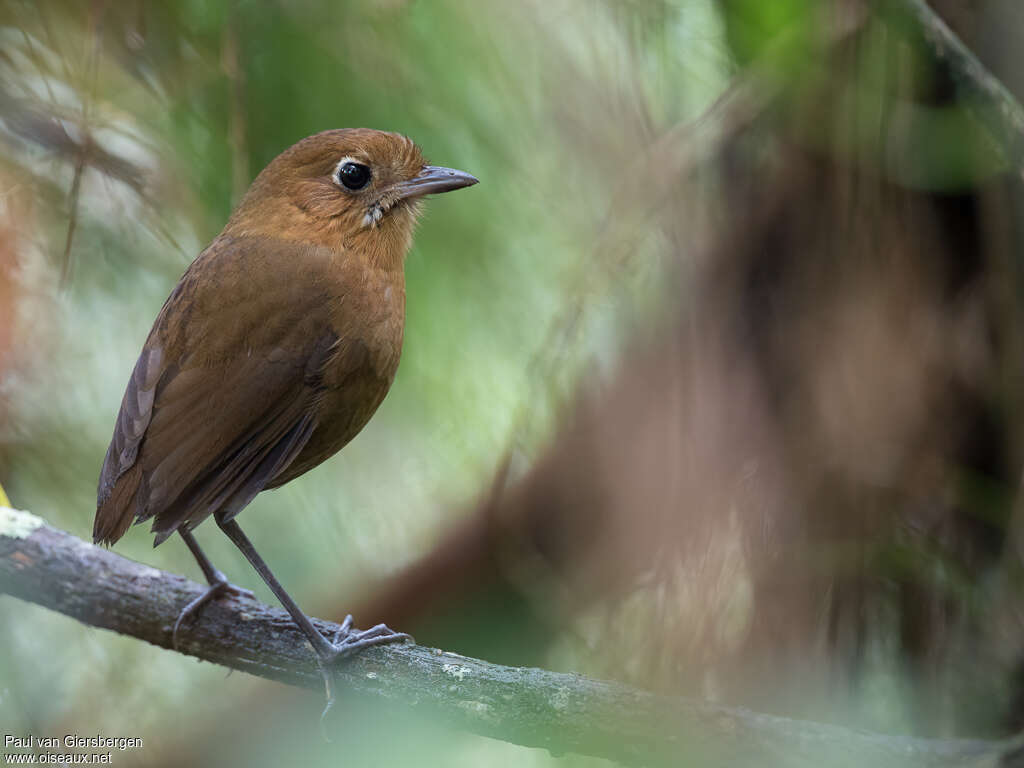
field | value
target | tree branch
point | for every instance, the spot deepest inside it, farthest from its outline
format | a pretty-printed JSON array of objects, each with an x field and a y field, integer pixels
[
  {"x": 988, "y": 100},
  {"x": 532, "y": 707}
]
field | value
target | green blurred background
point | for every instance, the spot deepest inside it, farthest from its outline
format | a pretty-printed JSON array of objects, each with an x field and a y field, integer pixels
[{"x": 193, "y": 99}]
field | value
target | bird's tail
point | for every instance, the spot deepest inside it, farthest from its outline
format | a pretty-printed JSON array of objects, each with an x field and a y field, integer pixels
[{"x": 116, "y": 509}]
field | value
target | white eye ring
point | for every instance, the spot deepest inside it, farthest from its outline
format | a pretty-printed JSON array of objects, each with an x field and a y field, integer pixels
[{"x": 340, "y": 180}]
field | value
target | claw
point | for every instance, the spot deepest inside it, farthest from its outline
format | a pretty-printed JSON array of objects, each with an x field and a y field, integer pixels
[
  {"x": 343, "y": 630},
  {"x": 347, "y": 643},
  {"x": 216, "y": 590}
]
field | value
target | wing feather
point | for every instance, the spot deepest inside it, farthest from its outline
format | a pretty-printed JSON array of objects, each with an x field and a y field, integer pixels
[{"x": 204, "y": 432}]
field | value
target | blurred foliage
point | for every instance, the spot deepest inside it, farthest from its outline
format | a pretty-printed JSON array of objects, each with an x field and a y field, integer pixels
[{"x": 129, "y": 130}]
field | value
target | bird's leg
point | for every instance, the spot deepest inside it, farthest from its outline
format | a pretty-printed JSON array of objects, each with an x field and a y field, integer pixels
[
  {"x": 346, "y": 641},
  {"x": 219, "y": 585}
]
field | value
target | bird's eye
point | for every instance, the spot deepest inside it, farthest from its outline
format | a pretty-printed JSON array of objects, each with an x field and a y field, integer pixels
[{"x": 353, "y": 176}]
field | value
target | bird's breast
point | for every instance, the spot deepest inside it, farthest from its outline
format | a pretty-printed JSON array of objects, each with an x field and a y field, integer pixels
[
  {"x": 367, "y": 326},
  {"x": 368, "y": 321}
]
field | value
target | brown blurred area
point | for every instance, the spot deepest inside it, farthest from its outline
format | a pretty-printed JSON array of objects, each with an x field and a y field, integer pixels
[{"x": 813, "y": 464}]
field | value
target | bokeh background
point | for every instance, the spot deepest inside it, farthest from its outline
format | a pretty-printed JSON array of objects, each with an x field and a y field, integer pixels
[{"x": 710, "y": 386}]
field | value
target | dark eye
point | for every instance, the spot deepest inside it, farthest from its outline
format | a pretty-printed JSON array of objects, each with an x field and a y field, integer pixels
[{"x": 353, "y": 176}]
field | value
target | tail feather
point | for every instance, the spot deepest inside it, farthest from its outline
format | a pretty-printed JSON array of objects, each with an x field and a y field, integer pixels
[{"x": 115, "y": 511}]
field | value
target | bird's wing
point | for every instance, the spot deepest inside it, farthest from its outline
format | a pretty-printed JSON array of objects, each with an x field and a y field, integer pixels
[{"x": 200, "y": 431}]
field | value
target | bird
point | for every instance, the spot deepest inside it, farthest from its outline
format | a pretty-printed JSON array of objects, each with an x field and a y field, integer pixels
[{"x": 271, "y": 353}]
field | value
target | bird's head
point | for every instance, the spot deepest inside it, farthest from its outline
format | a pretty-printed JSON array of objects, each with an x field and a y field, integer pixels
[{"x": 351, "y": 189}]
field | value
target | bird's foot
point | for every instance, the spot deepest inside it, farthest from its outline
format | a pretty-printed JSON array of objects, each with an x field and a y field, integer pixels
[
  {"x": 348, "y": 642},
  {"x": 219, "y": 587}
]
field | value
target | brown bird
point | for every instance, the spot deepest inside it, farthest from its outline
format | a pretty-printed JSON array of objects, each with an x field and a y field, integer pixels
[{"x": 272, "y": 352}]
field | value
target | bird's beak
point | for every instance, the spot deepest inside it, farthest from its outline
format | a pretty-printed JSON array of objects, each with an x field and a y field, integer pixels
[{"x": 433, "y": 179}]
